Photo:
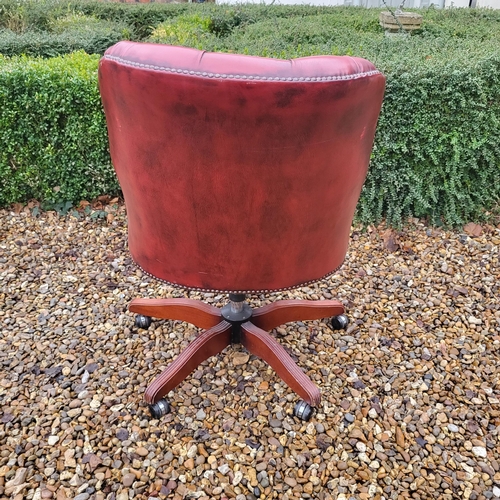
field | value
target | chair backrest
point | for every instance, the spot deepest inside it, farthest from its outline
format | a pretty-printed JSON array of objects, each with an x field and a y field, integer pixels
[{"x": 239, "y": 173}]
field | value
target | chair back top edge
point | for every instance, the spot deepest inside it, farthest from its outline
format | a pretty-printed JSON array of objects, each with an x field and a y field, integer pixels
[{"x": 194, "y": 62}]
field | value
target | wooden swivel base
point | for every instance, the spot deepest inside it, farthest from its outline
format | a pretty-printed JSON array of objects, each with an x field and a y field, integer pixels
[{"x": 223, "y": 328}]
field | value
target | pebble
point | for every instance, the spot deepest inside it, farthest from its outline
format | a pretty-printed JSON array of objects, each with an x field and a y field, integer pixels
[
  {"x": 240, "y": 358},
  {"x": 479, "y": 451},
  {"x": 410, "y": 400},
  {"x": 82, "y": 496},
  {"x": 361, "y": 446},
  {"x": 128, "y": 479},
  {"x": 238, "y": 476},
  {"x": 224, "y": 469},
  {"x": 122, "y": 434},
  {"x": 52, "y": 440}
]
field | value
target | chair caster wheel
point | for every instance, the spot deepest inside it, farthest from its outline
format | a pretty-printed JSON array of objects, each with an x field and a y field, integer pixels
[
  {"x": 142, "y": 321},
  {"x": 303, "y": 410},
  {"x": 340, "y": 322},
  {"x": 159, "y": 409}
]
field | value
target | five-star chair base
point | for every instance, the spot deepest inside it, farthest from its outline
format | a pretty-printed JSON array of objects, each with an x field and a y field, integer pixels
[{"x": 235, "y": 323}]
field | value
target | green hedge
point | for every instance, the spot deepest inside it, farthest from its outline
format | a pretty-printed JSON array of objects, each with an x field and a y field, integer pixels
[
  {"x": 62, "y": 35},
  {"x": 437, "y": 148},
  {"x": 26, "y": 26},
  {"x": 44, "y": 44},
  {"x": 52, "y": 130},
  {"x": 33, "y": 18}
]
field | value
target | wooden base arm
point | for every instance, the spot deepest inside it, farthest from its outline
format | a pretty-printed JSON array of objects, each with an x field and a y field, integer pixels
[
  {"x": 193, "y": 311},
  {"x": 263, "y": 345},
  {"x": 284, "y": 311},
  {"x": 207, "y": 344}
]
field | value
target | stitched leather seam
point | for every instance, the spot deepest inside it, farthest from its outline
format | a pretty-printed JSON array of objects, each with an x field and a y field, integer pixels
[{"x": 206, "y": 74}]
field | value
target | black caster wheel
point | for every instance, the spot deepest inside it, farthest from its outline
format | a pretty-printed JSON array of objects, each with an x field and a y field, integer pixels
[
  {"x": 303, "y": 410},
  {"x": 340, "y": 322},
  {"x": 159, "y": 409},
  {"x": 142, "y": 321}
]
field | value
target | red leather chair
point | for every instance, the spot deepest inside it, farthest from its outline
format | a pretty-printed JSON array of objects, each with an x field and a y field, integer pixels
[{"x": 241, "y": 175}]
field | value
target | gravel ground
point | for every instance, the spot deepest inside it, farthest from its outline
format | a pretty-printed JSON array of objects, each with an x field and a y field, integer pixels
[{"x": 411, "y": 390}]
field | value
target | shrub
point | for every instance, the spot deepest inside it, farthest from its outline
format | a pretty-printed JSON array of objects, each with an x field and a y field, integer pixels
[
  {"x": 52, "y": 130},
  {"x": 140, "y": 18},
  {"x": 437, "y": 148},
  {"x": 38, "y": 15},
  {"x": 76, "y": 22},
  {"x": 187, "y": 29},
  {"x": 65, "y": 34}
]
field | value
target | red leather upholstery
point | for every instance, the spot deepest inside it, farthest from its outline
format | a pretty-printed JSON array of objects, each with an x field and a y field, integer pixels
[{"x": 239, "y": 173}]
